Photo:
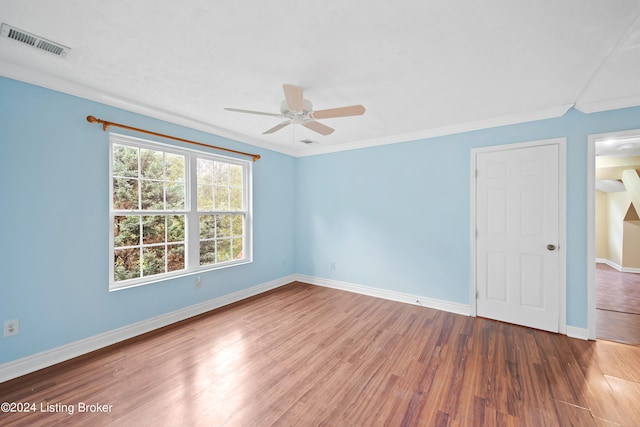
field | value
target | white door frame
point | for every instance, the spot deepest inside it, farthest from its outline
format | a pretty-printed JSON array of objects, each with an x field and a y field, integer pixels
[
  {"x": 562, "y": 220},
  {"x": 591, "y": 222}
]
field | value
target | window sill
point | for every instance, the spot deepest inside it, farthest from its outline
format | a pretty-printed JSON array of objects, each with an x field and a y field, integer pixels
[{"x": 113, "y": 287}]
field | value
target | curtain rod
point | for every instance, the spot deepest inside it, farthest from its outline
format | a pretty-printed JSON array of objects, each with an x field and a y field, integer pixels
[{"x": 105, "y": 125}]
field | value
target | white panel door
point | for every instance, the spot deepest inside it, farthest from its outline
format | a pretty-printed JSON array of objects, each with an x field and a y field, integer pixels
[{"x": 517, "y": 221}]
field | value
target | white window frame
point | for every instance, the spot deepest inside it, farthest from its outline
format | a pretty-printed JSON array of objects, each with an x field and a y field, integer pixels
[{"x": 192, "y": 220}]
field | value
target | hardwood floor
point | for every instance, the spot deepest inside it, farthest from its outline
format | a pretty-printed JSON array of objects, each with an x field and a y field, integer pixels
[
  {"x": 617, "y": 305},
  {"x": 617, "y": 291},
  {"x": 619, "y": 327},
  {"x": 303, "y": 355}
]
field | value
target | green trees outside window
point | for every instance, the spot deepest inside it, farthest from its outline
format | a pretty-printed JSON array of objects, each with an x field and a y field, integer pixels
[{"x": 153, "y": 208}]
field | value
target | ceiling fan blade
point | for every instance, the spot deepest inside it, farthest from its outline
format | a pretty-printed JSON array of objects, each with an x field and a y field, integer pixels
[
  {"x": 262, "y": 113},
  {"x": 318, "y": 127},
  {"x": 277, "y": 127},
  {"x": 294, "y": 97},
  {"x": 352, "y": 110}
]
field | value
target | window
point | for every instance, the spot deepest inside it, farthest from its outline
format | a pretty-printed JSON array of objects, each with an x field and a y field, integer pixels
[{"x": 174, "y": 211}]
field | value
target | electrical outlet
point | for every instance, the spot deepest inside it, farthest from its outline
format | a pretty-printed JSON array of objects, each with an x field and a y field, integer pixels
[
  {"x": 11, "y": 327},
  {"x": 198, "y": 282},
  {"x": 333, "y": 265}
]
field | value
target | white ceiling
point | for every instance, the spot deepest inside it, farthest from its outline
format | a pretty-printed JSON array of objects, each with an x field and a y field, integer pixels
[
  {"x": 421, "y": 68},
  {"x": 619, "y": 147},
  {"x": 626, "y": 151}
]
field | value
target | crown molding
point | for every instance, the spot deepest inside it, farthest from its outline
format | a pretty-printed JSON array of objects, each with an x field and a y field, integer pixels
[
  {"x": 27, "y": 75},
  {"x": 80, "y": 90},
  {"x": 608, "y": 104},
  {"x": 547, "y": 113}
]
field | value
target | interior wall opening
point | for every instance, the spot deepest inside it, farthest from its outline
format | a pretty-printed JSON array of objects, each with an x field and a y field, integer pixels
[{"x": 615, "y": 279}]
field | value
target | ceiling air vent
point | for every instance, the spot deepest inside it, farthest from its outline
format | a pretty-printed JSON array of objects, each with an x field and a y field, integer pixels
[{"x": 33, "y": 40}]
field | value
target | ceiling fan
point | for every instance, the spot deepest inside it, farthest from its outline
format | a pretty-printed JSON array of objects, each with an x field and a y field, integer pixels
[{"x": 299, "y": 111}]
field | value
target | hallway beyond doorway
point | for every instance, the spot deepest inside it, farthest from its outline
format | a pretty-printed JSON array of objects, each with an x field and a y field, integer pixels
[{"x": 617, "y": 305}]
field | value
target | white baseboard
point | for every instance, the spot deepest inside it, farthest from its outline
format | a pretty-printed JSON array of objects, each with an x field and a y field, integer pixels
[
  {"x": 25, "y": 365},
  {"x": 451, "y": 307},
  {"x": 617, "y": 266},
  {"x": 575, "y": 332}
]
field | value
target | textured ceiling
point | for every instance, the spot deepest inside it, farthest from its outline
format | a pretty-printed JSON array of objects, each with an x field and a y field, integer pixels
[
  {"x": 421, "y": 68},
  {"x": 615, "y": 155}
]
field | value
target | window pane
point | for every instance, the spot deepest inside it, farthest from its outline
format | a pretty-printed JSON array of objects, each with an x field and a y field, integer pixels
[
  {"x": 152, "y": 198},
  {"x": 126, "y": 230},
  {"x": 153, "y": 227},
  {"x": 152, "y": 195},
  {"x": 236, "y": 199},
  {"x": 236, "y": 176},
  {"x": 223, "y": 226},
  {"x": 207, "y": 226},
  {"x": 153, "y": 260},
  {"x": 221, "y": 198},
  {"x": 125, "y": 161},
  {"x": 151, "y": 164},
  {"x": 237, "y": 225},
  {"x": 175, "y": 196},
  {"x": 175, "y": 228},
  {"x": 174, "y": 167},
  {"x": 207, "y": 252},
  {"x": 236, "y": 248},
  {"x": 175, "y": 257},
  {"x": 205, "y": 198},
  {"x": 126, "y": 264},
  {"x": 221, "y": 173},
  {"x": 125, "y": 194},
  {"x": 205, "y": 171},
  {"x": 223, "y": 250}
]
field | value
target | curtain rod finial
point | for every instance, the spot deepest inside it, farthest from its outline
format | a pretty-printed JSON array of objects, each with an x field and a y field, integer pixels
[{"x": 106, "y": 125}]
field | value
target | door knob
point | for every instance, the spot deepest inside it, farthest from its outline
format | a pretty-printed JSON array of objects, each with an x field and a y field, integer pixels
[{"x": 551, "y": 247}]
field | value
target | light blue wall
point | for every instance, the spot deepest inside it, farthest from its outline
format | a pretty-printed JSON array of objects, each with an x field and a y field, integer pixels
[
  {"x": 396, "y": 217},
  {"x": 54, "y": 223},
  {"x": 372, "y": 211}
]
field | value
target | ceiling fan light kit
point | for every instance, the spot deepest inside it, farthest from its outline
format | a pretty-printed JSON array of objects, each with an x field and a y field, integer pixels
[{"x": 299, "y": 111}]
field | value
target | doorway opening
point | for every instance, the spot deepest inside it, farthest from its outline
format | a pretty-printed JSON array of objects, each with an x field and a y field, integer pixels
[{"x": 614, "y": 241}]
